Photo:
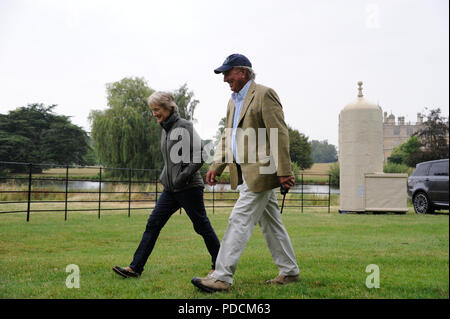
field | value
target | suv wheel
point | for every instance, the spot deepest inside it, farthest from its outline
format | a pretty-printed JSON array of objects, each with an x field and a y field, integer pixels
[{"x": 422, "y": 205}]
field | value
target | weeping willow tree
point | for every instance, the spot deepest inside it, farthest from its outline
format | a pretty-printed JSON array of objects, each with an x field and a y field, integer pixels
[
  {"x": 186, "y": 102},
  {"x": 125, "y": 135}
]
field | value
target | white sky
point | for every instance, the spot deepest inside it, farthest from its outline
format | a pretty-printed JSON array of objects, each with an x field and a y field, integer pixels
[{"x": 311, "y": 52}]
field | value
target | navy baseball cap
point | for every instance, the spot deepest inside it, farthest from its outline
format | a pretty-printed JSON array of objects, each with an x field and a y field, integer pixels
[{"x": 231, "y": 61}]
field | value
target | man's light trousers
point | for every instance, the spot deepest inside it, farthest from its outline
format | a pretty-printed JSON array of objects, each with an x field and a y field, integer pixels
[{"x": 252, "y": 208}]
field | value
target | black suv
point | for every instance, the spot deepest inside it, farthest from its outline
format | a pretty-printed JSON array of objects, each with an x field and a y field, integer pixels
[{"x": 428, "y": 186}]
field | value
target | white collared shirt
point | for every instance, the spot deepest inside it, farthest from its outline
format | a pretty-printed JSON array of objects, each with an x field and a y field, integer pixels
[{"x": 238, "y": 99}]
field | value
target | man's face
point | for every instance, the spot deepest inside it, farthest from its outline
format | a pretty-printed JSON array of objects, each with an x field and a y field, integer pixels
[{"x": 236, "y": 78}]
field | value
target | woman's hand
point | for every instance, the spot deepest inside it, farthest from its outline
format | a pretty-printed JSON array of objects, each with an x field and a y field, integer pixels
[{"x": 211, "y": 178}]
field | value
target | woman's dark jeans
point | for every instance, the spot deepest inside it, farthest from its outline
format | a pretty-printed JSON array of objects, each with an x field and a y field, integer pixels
[{"x": 168, "y": 203}]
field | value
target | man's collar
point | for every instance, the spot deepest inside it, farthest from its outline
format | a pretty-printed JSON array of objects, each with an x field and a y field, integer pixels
[{"x": 241, "y": 94}]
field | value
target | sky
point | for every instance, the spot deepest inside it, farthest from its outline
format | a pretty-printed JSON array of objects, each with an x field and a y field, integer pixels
[{"x": 312, "y": 53}]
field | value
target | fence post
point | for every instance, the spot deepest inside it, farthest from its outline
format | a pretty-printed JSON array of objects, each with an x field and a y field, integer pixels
[
  {"x": 67, "y": 186},
  {"x": 302, "y": 193},
  {"x": 99, "y": 192},
  {"x": 213, "y": 198},
  {"x": 129, "y": 191},
  {"x": 156, "y": 190},
  {"x": 329, "y": 192},
  {"x": 29, "y": 190}
]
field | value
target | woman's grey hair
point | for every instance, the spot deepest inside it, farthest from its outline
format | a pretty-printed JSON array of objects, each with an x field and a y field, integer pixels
[
  {"x": 250, "y": 73},
  {"x": 163, "y": 99}
]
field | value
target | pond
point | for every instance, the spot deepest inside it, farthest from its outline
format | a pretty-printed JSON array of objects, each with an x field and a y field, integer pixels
[
  {"x": 93, "y": 186},
  {"x": 312, "y": 189},
  {"x": 61, "y": 185}
]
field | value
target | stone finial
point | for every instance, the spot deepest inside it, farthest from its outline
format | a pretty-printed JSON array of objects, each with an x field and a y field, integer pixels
[{"x": 360, "y": 89}]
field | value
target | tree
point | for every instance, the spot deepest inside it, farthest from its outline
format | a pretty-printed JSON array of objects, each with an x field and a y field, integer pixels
[
  {"x": 64, "y": 143},
  {"x": 220, "y": 130},
  {"x": 91, "y": 158},
  {"x": 429, "y": 143},
  {"x": 401, "y": 152},
  {"x": 34, "y": 134},
  {"x": 300, "y": 149},
  {"x": 185, "y": 102},
  {"x": 322, "y": 152},
  {"x": 434, "y": 136},
  {"x": 334, "y": 172},
  {"x": 125, "y": 135}
]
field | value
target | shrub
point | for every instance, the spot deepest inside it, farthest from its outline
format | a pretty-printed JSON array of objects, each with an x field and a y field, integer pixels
[
  {"x": 397, "y": 168},
  {"x": 334, "y": 171},
  {"x": 203, "y": 170}
]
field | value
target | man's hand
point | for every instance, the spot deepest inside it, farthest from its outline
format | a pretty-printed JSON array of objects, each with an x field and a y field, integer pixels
[
  {"x": 211, "y": 178},
  {"x": 287, "y": 181}
]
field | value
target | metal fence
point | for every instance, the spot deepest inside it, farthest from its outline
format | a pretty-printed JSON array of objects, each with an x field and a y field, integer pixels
[{"x": 28, "y": 188}]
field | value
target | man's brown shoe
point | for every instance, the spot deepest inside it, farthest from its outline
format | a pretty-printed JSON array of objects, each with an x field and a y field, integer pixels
[
  {"x": 210, "y": 284},
  {"x": 283, "y": 280}
]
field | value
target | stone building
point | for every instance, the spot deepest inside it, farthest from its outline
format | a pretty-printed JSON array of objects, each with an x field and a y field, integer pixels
[{"x": 396, "y": 133}]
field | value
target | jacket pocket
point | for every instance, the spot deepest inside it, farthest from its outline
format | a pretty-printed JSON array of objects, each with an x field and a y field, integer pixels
[
  {"x": 183, "y": 177},
  {"x": 164, "y": 178},
  {"x": 174, "y": 172}
]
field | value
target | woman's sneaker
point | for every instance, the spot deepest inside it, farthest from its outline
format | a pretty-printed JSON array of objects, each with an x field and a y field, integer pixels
[{"x": 125, "y": 272}]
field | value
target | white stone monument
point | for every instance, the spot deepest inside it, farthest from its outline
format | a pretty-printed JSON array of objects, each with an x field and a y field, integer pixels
[{"x": 363, "y": 185}]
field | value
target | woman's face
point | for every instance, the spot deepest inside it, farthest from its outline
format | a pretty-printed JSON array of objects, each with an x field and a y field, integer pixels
[{"x": 160, "y": 113}]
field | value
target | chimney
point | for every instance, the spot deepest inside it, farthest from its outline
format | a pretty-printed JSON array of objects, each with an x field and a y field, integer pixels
[{"x": 419, "y": 118}]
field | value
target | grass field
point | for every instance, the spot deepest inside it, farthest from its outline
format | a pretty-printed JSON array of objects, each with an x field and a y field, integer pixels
[{"x": 333, "y": 251}]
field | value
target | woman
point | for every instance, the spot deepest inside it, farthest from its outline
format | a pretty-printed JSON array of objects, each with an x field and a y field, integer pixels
[{"x": 183, "y": 184}]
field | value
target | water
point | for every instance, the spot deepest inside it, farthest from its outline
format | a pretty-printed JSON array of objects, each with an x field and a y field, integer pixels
[
  {"x": 92, "y": 186},
  {"x": 313, "y": 189},
  {"x": 61, "y": 185}
]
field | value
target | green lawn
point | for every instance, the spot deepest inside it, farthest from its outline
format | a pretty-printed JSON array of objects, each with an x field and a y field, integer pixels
[{"x": 333, "y": 251}]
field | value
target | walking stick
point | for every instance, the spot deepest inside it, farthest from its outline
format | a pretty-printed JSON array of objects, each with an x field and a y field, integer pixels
[{"x": 283, "y": 191}]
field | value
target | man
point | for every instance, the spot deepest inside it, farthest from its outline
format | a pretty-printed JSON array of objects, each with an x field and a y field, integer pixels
[{"x": 255, "y": 110}]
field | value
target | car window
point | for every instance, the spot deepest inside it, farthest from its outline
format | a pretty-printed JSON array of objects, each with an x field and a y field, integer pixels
[
  {"x": 439, "y": 169},
  {"x": 422, "y": 170}
]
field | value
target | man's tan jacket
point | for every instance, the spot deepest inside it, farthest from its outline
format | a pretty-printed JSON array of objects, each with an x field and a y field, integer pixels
[{"x": 262, "y": 141}]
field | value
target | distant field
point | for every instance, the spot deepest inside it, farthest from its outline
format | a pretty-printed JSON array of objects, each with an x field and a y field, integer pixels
[
  {"x": 82, "y": 171},
  {"x": 79, "y": 172},
  {"x": 317, "y": 174},
  {"x": 318, "y": 168}
]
